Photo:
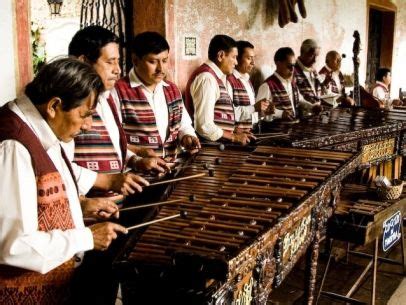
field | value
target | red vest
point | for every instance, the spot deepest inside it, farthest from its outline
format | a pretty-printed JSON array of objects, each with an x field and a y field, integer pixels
[
  {"x": 223, "y": 109},
  {"x": 139, "y": 121},
  {"x": 94, "y": 148},
  {"x": 240, "y": 98},
  {"x": 305, "y": 87},
  {"x": 18, "y": 284},
  {"x": 332, "y": 82},
  {"x": 279, "y": 95}
]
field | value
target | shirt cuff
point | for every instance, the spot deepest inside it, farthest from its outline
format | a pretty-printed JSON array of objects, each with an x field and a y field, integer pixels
[
  {"x": 278, "y": 114},
  {"x": 86, "y": 178},
  {"x": 188, "y": 131},
  {"x": 82, "y": 239},
  {"x": 136, "y": 157}
]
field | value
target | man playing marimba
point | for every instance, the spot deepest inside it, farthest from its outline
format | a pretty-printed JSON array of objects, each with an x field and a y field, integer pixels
[
  {"x": 307, "y": 79},
  {"x": 208, "y": 98},
  {"x": 280, "y": 88},
  {"x": 42, "y": 227},
  {"x": 245, "y": 108},
  {"x": 334, "y": 79},
  {"x": 380, "y": 90},
  {"x": 152, "y": 108}
]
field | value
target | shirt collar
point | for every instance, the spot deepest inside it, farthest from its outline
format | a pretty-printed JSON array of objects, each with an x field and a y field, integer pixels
[
  {"x": 382, "y": 84},
  {"x": 216, "y": 69},
  {"x": 105, "y": 94},
  {"x": 306, "y": 69},
  {"x": 239, "y": 75},
  {"x": 333, "y": 72},
  {"x": 136, "y": 82},
  {"x": 283, "y": 80},
  {"x": 37, "y": 123}
]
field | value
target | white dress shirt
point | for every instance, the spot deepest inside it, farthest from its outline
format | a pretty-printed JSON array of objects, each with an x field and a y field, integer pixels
[
  {"x": 380, "y": 93},
  {"x": 205, "y": 92},
  {"x": 265, "y": 93},
  {"x": 245, "y": 113},
  {"x": 21, "y": 244},
  {"x": 159, "y": 106}
]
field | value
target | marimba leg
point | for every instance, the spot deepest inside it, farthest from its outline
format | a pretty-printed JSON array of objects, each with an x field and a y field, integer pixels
[{"x": 311, "y": 268}]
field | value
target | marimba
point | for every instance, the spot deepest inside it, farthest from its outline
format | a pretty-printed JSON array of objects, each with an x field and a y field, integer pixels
[
  {"x": 247, "y": 224},
  {"x": 378, "y": 134}
]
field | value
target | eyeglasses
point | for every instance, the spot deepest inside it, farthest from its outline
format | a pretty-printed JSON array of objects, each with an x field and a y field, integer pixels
[{"x": 290, "y": 66}]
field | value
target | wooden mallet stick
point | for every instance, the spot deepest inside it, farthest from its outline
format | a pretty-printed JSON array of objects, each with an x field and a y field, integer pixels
[
  {"x": 181, "y": 214},
  {"x": 178, "y": 179},
  {"x": 149, "y": 205}
]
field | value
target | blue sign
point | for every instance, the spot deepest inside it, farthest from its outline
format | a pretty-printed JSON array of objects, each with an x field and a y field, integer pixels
[{"x": 391, "y": 230}]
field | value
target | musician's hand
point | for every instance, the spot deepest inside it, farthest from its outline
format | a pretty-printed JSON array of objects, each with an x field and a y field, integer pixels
[
  {"x": 346, "y": 101},
  {"x": 270, "y": 109},
  {"x": 261, "y": 106},
  {"x": 397, "y": 102},
  {"x": 190, "y": 143},
  {"x": 242, "y": 138},
  {"x": 128, "y": 183},
  {"x": 288, "y": 115},
  {"x": 317, "y": 108},
  {"x": 142, "y": 151},
  {"x": 240, "y": 129},
  {"x": 104, "y": 233},
  {"x": 152, "y": 164},
  {"x": 100, "y": 207}
]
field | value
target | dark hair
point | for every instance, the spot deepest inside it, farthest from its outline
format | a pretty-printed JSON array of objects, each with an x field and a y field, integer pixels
[
  {"x": 90, "y": 40},
  {"x": 282, "y": 54},
  {"x": 241, "y": 46},
  {"x": 381, "y": 73},
  {"x": 148, "y": 42},
  {"x": 67, "y": 78},
  {"x": 220, "y": 43}
]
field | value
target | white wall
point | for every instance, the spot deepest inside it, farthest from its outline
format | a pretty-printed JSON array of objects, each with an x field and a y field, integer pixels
[{"x": 7, "y": 52}]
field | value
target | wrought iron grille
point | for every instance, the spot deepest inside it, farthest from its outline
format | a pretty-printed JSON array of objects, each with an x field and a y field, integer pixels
[{"x": 115, "y": 15}]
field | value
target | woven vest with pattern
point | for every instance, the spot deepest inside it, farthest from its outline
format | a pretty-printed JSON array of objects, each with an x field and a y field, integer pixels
[
  {"x": 332, "y": 84},
  {"x": 17, "y": 285},
  {"x": 94, "y": 148},
  {"x": 240, "y": 98},
  {"x": 223, "y": 108},
  {"x": 304, "y": 86},
  {"x": 280, "y": 97},
  {"x": 139, "y": 121}
]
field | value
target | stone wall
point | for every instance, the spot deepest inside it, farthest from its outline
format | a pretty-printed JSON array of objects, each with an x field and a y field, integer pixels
[{"x": 332, "y": 23}]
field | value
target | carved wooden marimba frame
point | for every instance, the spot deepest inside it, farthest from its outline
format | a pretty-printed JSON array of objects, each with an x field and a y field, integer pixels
[
  {"x": 378, "y": 134},
  {"x": 247, "y": 225}
]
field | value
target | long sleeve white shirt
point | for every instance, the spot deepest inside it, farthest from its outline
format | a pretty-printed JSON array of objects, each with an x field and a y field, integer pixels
[
  {"x": 380, "y": 93},
  {"x": 21, "y": 244},
  {"x": 246, "y": 113},
  {"x": 205, "y": 92}
]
